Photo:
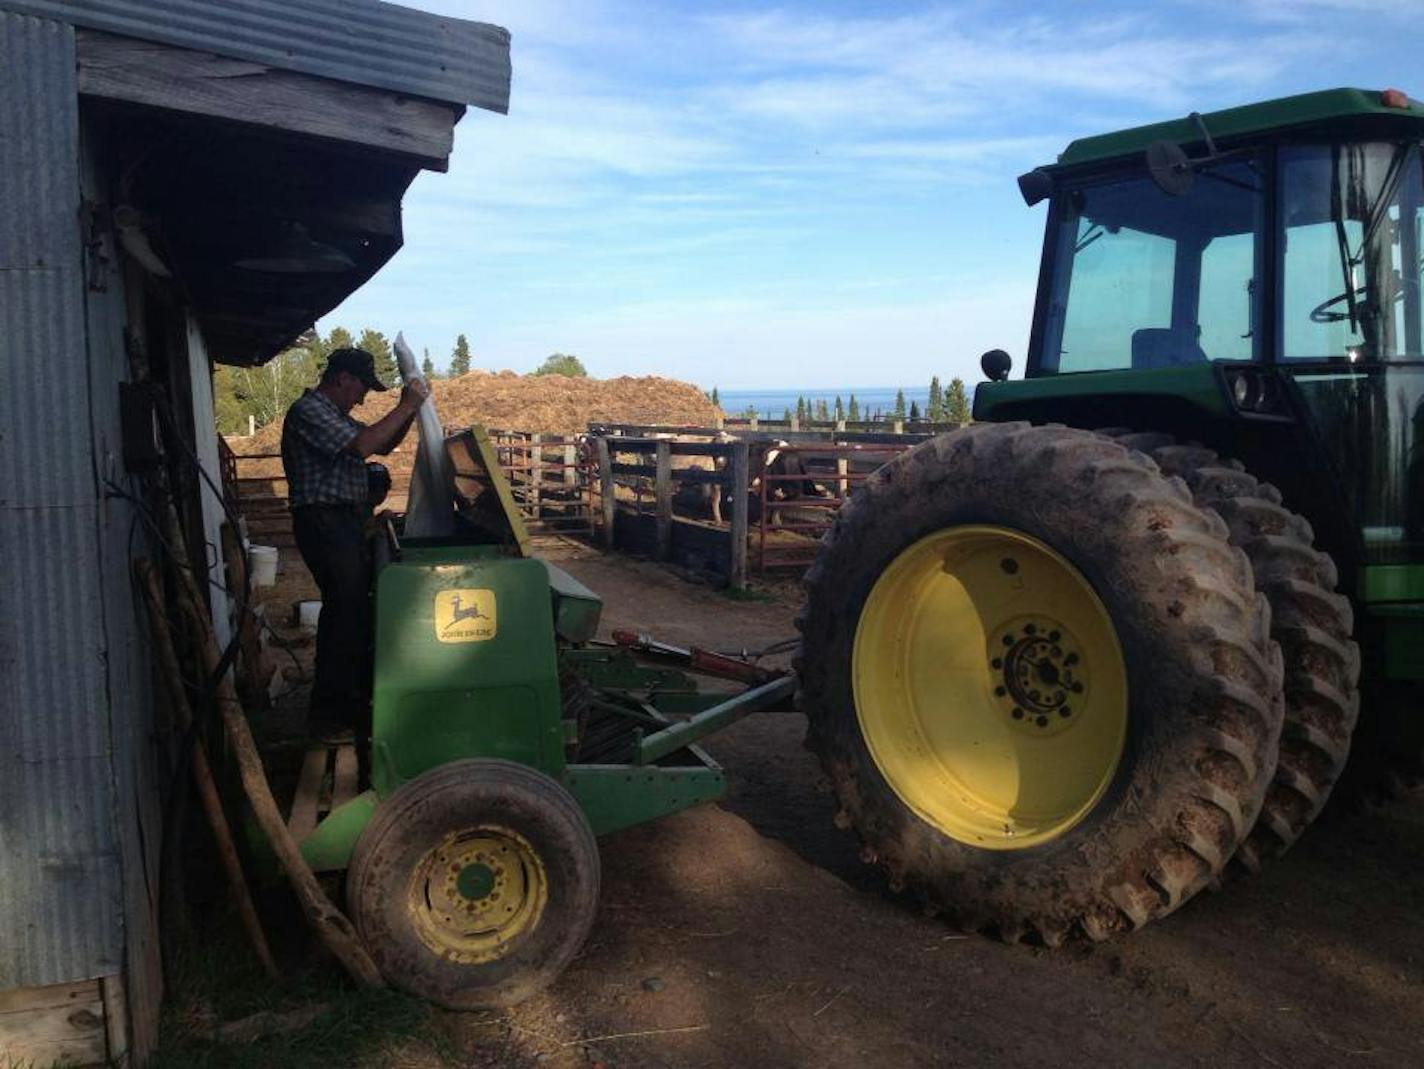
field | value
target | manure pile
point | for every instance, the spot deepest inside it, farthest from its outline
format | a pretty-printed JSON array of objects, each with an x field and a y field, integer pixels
[{"x": 546, "y": 404}]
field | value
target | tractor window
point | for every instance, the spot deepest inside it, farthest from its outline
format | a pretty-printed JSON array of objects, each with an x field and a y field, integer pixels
[
  {"x": 1143, "y": 279},
  {"x": 1352, "y": 259},
  {"x": 1122, "y": 280}
]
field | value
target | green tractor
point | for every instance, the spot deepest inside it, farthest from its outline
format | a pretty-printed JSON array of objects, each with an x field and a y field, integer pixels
[{"x": 1068, "y": 664}]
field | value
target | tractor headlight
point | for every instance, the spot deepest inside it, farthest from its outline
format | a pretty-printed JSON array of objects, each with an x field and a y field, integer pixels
[
  {"x": 1241, "y": 391},
  {"x": 1254, "y": 391}
]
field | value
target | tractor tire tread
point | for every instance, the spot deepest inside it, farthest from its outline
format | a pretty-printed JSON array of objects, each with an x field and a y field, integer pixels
[{"x": 1311, "y": 622}]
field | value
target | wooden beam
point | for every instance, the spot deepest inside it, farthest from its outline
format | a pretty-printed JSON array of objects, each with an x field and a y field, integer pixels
[
  {"x": 663, "y": 491},
  {"x": 200, "y": 83},
  {"x": 741, "y": 484},
  {"x": 606, "y": 491}
]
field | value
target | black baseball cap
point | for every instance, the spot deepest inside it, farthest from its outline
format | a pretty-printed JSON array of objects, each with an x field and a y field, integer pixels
[{"x": 357, "y": 362}]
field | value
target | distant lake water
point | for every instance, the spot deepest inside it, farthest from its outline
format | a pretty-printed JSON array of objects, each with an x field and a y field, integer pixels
[{"x": 771, "y": 404}]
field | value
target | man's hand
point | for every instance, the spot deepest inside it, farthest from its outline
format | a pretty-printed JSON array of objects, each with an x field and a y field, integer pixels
[{"x": 413, "y": 394}]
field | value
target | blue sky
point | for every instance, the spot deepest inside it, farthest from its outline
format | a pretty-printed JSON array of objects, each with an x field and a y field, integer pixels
[{"x": 807, "y": 195}]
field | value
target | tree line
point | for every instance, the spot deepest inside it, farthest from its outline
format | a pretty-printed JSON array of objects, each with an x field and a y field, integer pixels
[
  {"x": 944, "y": 405},
  {"x": 257, "y": 396}
]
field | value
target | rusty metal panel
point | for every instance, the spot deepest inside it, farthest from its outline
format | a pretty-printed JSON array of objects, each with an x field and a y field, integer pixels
[
  {"x": 361, "y": 41},
  {"x": 60, "y": 906}
]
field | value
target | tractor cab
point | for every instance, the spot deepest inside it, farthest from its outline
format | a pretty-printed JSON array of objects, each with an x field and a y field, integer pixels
[{"x": 1250, "y": 279}]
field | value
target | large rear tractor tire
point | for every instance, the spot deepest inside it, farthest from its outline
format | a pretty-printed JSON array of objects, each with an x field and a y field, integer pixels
[
  {"x": 1309, "y": 619},
  {"x": 1040, "y": 680},
  {"x": 475, "y": 883}
]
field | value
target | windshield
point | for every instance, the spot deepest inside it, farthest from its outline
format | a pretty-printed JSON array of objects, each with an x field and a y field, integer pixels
[
  {"x": 1144, "y": 279},
  {"x": 1350, "y": 239}
]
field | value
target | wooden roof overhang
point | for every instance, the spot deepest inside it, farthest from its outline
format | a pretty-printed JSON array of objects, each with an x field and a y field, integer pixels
[{"x": 269, "y": 195}]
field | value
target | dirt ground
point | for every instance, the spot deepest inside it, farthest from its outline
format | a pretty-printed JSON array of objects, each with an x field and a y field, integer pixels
[{"x": 750, "y": 934}]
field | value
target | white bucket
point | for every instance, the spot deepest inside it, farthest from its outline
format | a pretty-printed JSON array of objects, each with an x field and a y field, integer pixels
[
  {"x": 307, "y": 613},
  {"x": 262, "y": 560}
]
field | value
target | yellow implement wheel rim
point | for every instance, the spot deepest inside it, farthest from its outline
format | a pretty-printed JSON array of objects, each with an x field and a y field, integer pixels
[
  {"x": 475, "y": 894},
  {"x": 990, "y": 687}
]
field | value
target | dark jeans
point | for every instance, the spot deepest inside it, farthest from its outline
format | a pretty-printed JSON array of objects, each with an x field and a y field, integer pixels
[{"x": 332, "y": 541}]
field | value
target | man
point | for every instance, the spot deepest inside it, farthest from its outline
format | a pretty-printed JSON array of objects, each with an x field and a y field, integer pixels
[{"x": 324, "y": 454}]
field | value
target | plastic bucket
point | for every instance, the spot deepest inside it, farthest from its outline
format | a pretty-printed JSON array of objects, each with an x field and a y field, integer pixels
[
  {"x": 307, "y": 613},
  {"x": 262, "y": 560}
]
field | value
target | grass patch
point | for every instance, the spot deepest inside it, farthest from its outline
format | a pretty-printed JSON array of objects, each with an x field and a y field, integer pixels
[
  {"x": 218, "y": 980},
  {"x": 359, "y": 1028}
]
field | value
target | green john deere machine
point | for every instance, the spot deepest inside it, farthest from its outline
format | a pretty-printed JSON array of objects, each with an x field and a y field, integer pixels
[
  {"x": 1066, "y": 665},
  {"x": 504, "y": 739}
]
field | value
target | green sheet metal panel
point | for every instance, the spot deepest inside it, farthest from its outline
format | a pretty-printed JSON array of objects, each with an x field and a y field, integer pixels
[
  {"x": 1392, "y": 582},
  {"x": 1196, "y": 385},
  {"x": 576, "y": 608},
  {"x": 1306, "y": 109},
  {"x": 465, "y": 666}
]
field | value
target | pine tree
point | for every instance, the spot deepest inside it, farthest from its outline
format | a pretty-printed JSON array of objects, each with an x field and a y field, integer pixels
[
  {"x": 914, "y": 411},
  {"x": 823, "y": 411},
  {"x": 460, "y": 357},
  {"x": 803, "y": 410},
  {"x": 374, "y": 342},
  {"x": 786, "y": 415},
  {"x": 853, "y": 410},
  {"x": 716, "y": 400},
  {"x": 934, "y": 412},
  {"x": 840, "y": 409},
  {"x": 427, "y": 367},
  {"x": 956, "y": 403},
  {"x": 899, "y": 404}
]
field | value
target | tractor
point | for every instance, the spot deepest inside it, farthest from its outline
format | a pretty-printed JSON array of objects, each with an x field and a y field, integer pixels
[{"x": 1074, "y": 662}]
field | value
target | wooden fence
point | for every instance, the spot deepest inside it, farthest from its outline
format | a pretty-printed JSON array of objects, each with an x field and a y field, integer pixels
[
  {"x": 715, "y": 500},
  {"x": 552, "y": 479}
]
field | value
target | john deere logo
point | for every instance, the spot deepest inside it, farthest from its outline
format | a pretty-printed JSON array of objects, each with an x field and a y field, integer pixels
[{"x": 464, "y": 615}]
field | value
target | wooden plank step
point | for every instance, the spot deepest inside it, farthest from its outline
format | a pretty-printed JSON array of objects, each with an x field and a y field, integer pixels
[
  {"x": 343, "y": 780},
  {"x": 308, "y": 796}
]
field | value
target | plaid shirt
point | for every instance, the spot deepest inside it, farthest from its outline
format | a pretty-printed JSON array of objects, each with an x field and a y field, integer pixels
[{"x": 320, "y": 469}]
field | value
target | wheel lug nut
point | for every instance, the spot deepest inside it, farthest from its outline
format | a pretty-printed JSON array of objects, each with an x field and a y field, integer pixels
[
  {"x": 1030, "y": 629},
  {"x": 1017, "y": 713},
  {"x": 1009, "y": 565},
  {"x": 997, "y": 662},
  {"x": 1042, "y": 721},
  {"x": 999, "y": 692},
  {"x": 1065, "y": 711}
]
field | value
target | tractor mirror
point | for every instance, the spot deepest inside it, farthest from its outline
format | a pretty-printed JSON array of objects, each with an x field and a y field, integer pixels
[
  {"x": 1035, "y": 186},
  {"x": 1170, "y": 169},
  {"x": 996, "y": 365}
]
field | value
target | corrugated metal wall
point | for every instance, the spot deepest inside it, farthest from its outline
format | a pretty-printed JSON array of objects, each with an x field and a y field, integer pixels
[
  {"x": 60, "y": 901},
  {"x": 361, "y": 41},
  {"x": 139, "y": 772}
]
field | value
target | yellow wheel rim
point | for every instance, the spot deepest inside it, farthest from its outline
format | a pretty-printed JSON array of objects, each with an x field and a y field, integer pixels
[
  {"x": 475, "y": 894},
  {"x": 990, "y": 687}
]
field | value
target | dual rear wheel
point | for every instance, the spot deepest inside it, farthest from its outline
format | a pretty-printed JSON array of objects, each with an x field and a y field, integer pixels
[{"x": 1040, "y": 669}]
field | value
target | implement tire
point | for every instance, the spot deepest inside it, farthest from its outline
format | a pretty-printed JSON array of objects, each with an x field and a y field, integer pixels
[
  {"x": 475, "y": 884},
  {"x": 1040, "y": 681},
  {"x": 1310, "y": 621}
]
